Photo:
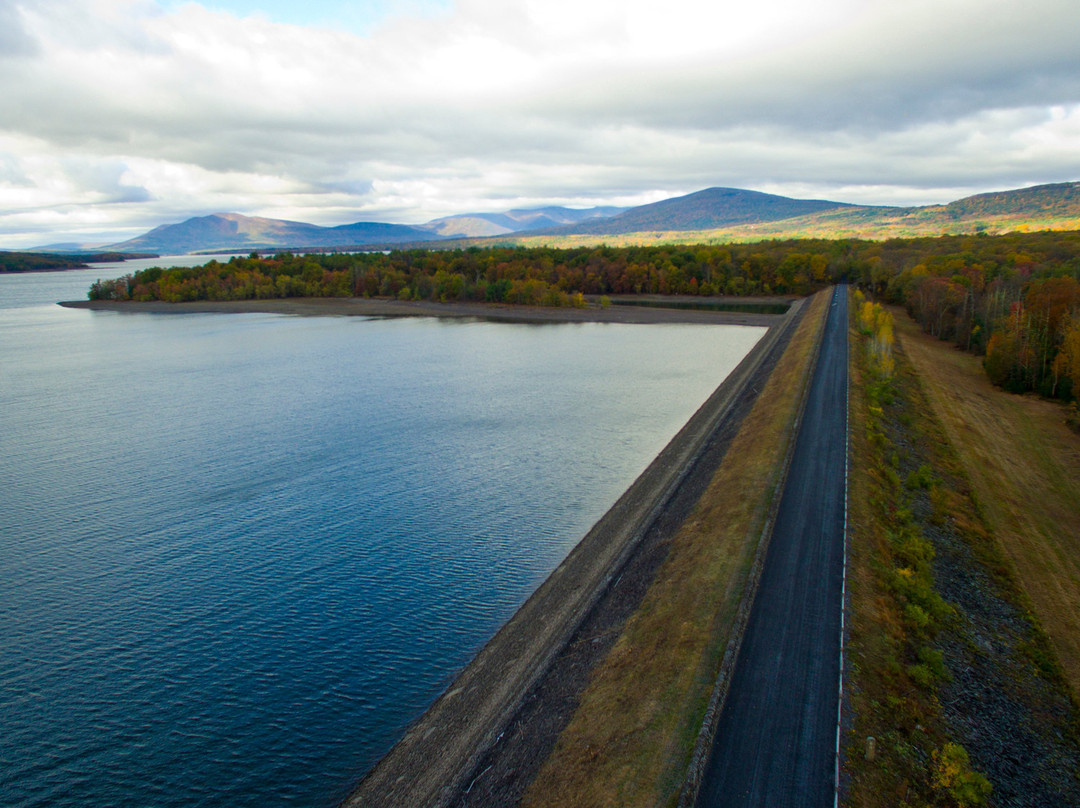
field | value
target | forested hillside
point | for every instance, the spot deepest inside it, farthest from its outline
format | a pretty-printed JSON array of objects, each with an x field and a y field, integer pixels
[{"x": 1059, "y": 199}]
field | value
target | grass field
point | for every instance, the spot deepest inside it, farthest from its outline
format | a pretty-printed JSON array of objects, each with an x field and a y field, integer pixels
[
  {"x": 1024, "y": 467},
  {"x": 630, "y": 741}
]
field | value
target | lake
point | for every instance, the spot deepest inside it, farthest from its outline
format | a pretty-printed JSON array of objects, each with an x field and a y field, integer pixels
[{"x": 239, "y": 553}]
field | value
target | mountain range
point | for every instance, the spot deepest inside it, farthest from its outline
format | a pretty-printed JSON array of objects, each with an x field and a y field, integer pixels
[
  {"x": 710, "y": 215},
  {"x": 232, "y": 231},
  {"x": 703, "y": 210},
  {"x": 514, "y": 221},
  {"x": 718, "y": 215}
]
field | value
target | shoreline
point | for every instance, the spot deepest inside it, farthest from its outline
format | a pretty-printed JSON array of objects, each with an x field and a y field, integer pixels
[
  {"x": 432, "y": 763},
  {"x": 461, "y": 736},
  {"x": 494, "y": 312}
]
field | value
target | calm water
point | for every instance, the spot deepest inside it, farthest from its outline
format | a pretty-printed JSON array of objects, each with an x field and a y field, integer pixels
[{"x": 239, "y": 553}]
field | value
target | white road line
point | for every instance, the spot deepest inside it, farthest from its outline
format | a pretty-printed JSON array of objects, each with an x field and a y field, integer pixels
[{"x": 843, "y": 579}]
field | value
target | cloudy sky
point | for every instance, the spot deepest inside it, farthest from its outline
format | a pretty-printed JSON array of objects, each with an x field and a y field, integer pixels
[{"x": 119, "y": 115}]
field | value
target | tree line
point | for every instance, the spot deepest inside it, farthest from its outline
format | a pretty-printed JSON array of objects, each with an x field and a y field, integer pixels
[
  {"x": 1013, "y": 298},
  {"x": 41, "y": 262},
  {"x": 532, "y": 276}
]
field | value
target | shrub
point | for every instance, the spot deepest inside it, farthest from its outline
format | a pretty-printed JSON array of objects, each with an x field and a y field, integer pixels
[
  {"x": 923, "y": 477},
  {"x": 953, "y": 773}
]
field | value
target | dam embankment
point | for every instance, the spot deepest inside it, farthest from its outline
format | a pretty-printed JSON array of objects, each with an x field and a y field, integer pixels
[{"x": 496, "y": 719}]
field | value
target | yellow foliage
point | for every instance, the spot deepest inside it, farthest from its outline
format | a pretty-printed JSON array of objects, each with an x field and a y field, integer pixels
[
  {"x": 953, "y": 773},
  {"x": 1067, "y": 362},
  {"x": 866, "y": 317},
  {"x": 877, "y": 323}
]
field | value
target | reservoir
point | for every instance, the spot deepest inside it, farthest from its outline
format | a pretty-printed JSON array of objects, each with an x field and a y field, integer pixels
[{"x": 240, "y": 553}]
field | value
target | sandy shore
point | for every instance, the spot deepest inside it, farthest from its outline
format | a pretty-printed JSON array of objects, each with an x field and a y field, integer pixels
[{"x": 364, "y": 307}]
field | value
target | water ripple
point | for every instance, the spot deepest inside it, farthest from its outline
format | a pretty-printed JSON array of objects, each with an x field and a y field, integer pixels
[{"x": 241, "y": 553}]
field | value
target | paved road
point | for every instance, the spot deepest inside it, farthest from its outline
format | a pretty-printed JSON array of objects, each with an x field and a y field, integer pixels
[{"x": 776, "y": 740}]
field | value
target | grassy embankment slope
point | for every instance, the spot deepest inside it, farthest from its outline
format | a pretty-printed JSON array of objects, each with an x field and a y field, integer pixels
[
  {"x": 949, "y": 670},
  {"x": 630, "y": 741},
  {"x": 1024, "y": 467}
]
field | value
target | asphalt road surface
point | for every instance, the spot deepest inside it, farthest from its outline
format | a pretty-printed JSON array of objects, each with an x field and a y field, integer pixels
[{"x": 777, "y": 736}]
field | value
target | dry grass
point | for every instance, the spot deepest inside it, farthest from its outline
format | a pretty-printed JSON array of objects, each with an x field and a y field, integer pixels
[
  {"x": 835, "y": 224},
  {"x": 1024, "y": 467},
  {"x": 890, "y": 426},
  {"x": 875, "y": 626},
  {"x": 630, "y": 740}
]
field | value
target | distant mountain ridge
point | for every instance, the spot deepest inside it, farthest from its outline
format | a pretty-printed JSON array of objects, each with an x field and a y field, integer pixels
[
  {"x": 711, "y": 214},
  {"x": 236, "y": 232},
  {"x": 232, "y": 231},
  {"x": 1061, "y": 198},
  {"x": 514, "y": 221},
  {"x": 705, "y": 210}
]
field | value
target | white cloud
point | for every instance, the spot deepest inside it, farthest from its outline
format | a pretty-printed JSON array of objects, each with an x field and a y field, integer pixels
[{"x": 131, "y": 113}]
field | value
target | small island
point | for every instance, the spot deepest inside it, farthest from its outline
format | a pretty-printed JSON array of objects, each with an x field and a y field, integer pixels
[{"x": 51, "y": 262}]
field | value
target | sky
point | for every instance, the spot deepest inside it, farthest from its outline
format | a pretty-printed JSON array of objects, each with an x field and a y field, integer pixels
[{"x": 120, "y": 115}]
